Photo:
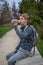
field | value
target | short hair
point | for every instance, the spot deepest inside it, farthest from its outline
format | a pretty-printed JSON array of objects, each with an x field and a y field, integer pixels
[{"x": 24, "y": 15}]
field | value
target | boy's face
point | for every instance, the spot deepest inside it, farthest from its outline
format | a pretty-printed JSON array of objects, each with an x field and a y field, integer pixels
[{"x": 23, "y": 20}]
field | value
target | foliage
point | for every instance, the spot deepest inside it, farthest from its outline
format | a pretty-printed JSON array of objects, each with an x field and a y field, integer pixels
[
  {"x": 5, "y": 15},
  {"x": 40, "y": 47},
  {"x": 4, "y": 29},
  {"x": 35, "y": 12}
]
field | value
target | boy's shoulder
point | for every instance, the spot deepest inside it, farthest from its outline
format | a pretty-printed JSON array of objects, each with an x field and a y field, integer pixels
[{"x": 27, "y": 27}]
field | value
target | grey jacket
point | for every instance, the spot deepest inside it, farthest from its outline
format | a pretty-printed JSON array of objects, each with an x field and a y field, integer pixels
[{"x": 26, "y": 37}]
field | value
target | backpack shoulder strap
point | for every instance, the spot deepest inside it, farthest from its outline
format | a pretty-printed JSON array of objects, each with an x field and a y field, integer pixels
[
  {"x": 33, "y": 28},
  {"x": 26, "y": 27}
]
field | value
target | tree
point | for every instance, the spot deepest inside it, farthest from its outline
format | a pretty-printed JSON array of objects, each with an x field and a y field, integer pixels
[
  {"x": 14, "y": 9},
  {"x": 5, "y": 15},
  {"x": 35, "y": 12}
]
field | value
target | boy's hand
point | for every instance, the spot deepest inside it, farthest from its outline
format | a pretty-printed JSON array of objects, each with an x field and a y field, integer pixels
[
  {"x": 15, "y": 51},
  {"x": 15, "y": 22}
]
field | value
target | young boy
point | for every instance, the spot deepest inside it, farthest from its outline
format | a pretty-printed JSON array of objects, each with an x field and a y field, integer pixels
[{"x": 26, "y": 40}]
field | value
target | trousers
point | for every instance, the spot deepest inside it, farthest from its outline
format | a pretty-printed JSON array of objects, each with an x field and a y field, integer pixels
[{"x": 21, "y": 53}]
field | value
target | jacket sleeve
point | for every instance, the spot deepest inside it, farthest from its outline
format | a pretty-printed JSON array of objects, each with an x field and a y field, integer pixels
[{"x": 22, "y": 35}]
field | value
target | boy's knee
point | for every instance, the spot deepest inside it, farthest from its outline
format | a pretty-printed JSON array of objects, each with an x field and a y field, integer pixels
[{"x": 7, "y": 57}]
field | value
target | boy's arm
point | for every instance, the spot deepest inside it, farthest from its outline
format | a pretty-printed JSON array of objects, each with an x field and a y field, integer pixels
[{"x": 22, "y": 35}]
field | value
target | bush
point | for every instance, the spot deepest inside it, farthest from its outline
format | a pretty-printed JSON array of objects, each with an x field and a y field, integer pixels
[
  {"x": 35, "y": 12},
  {"x": 40, "y": 46},
  {"x": 4, "y": 29}
]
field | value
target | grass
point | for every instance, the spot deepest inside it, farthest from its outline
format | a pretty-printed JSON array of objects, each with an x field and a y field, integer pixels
[
  {"x": 5, "y": 28},
  {"x": 40, "y": 47}
]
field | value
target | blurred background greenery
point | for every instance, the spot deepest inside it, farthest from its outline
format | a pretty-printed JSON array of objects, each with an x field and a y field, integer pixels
[{"x": 35, "y": 12}]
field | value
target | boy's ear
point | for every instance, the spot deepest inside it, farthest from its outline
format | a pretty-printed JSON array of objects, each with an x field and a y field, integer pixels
[{"x": 26, "y": 20}]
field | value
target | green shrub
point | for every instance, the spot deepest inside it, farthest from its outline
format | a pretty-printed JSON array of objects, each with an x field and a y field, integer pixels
[
  {"x": 40, "y": 47},
  {"x": 35, "y": 12},
  {"x": 4, "y": 29}
]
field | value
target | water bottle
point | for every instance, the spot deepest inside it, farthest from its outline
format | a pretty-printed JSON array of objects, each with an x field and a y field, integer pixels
[{"x": 13, "y": 20}]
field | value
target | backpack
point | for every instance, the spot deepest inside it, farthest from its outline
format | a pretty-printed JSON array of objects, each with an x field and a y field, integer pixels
[
  {"x": 36, "y": 35},
  {"x": 35, "y": 42}
]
